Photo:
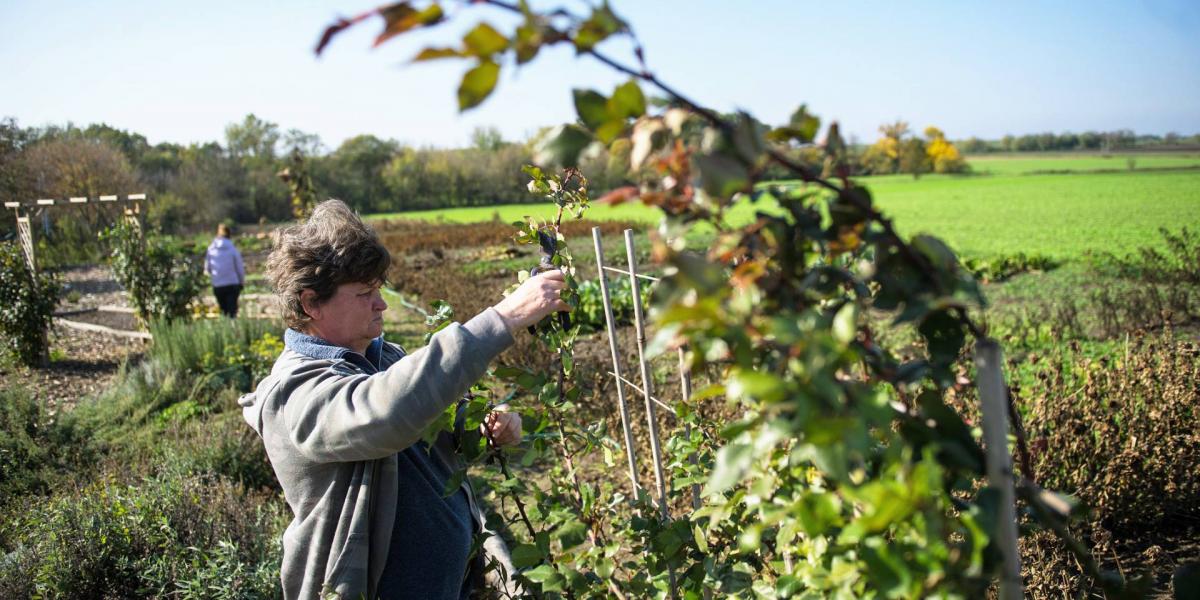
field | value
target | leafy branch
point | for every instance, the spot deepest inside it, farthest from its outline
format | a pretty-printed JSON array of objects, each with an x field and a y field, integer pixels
[{"x": 840, "y": 450}]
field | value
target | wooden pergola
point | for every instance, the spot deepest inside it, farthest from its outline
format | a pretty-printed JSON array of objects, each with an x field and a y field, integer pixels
[{"x": 23, "y": 210}]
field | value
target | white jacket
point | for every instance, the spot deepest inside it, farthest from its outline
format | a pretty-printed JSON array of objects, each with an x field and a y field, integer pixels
[{"x": 224, "y": 263}]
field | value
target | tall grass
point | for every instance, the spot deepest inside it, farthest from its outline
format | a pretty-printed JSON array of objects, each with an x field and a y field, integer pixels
[{"x": 189, "y": 346}]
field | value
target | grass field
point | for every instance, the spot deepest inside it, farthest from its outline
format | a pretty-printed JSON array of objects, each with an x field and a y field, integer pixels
[
  {"x": 1025, "y": 164},
  {"x": 1059, "y": 215}
]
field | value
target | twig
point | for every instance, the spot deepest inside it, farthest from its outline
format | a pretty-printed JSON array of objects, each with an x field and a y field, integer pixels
[{"x": 1014, "y": 416}]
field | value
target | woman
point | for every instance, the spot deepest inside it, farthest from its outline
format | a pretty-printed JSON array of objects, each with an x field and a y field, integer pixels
[
  {"x": 342, "y": 414},
  {"x": 223, "y": 263}
]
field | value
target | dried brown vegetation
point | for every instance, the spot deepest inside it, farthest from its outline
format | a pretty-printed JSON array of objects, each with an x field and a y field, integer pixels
[{"x": 1123, "y": 435}]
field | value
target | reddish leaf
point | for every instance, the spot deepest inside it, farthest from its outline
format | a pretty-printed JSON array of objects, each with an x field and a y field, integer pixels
[
  {"x": 338, "y": 27},
  {"x": 619, "y": 195},
  {"x": 402, "y": 17}
]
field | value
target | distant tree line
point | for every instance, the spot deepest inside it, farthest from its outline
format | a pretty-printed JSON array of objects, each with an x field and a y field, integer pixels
[
  {"x": 1103, "y": 141},
  {"x": 237, "y": 180}
]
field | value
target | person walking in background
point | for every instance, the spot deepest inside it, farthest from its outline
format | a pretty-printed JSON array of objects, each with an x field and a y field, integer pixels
[{"x": 223, "y": 263}]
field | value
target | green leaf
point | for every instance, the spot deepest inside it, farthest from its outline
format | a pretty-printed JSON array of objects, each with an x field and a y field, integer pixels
[
  {"x": 562, "y": 146},
  {"x": 601, "y": 24},
  {"x": 701, "y": 541},
  {"x": 592, "y": 108},
  {"x": 484, "y": 41},
  {"x": 437, "y": 53},
  {"x": 722, "y": 176},
  {"x": 527, "y": 42},
  {"x": 748, "y": 138},
  {"x": 627, "y": 101},
  {"x": 477, "y": 84},
  {"x": 765, "y": 387},
  {"x": 845, "y": 323},
  {"x": 526, "y": 555},
  {"x": 886, "y": 572},
  {"x": 667, "y": 543},
  {"x": 788, "y": 586},
  {"x": 605, "y": 567},
  {"x": 610, "y": 130},
  {"x": 571, "y": 534},
  {"x": 944, "y": 336},
  {"x": 801, "y": 127},
  {"x": 542, "y": 574},
  {"x": 750, "y": 539},
  {"x": 732, "y": 463}
]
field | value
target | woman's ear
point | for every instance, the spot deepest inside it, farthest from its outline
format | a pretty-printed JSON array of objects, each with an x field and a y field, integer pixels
[{"x": 308, "y": 302}]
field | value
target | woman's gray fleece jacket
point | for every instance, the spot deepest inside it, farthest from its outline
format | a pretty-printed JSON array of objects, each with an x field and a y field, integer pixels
[{"x": 332, "y": 429}]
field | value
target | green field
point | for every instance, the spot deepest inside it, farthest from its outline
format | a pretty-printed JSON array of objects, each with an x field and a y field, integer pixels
[
  {"x": 1060, "y": 215},
  {"x": 1025, "y": 164}
]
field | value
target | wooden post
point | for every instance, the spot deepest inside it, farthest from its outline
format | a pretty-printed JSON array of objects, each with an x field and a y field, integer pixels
[
  {"x": 647, "y": 382},
  {"x": 25, "y": 234},
  {"x": 647, "y": 391},
  {"x": 993, "y": 398},
  {"x": 630, "y": 451}
]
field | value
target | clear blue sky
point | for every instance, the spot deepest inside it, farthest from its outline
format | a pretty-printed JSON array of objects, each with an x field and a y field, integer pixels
[{"x": 182, "y": 71}]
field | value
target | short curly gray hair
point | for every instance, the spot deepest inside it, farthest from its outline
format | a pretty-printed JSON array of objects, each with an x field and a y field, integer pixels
[{"x": 333, "y": 247}]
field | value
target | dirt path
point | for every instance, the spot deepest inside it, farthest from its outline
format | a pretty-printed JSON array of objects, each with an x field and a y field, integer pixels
[{"x": 82, "y": 363}]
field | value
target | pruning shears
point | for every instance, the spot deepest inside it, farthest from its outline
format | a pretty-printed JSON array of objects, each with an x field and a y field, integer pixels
[{"x": 549, "y": 246}]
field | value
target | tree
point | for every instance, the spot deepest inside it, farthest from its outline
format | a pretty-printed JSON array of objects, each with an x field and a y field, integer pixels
[
  {"x": 914, "y": 157},
  {"x": 307, "y": 144},
  {"x": 943, "y": 156},
  {"x": 202, "y": 191},
  {"x": 62, "y": 168},
  {"x": 1089, "y": 140},
  {"x": 486, "y": 138},
  {"x": 14, "y": 183},
  {"x": 252, "y": 140},
  {"x": 354, "y": 173},
  {"x": 974, "y": 145},
  {"x": 884, "y": 155},
  {"x": 254, "y": 143}
]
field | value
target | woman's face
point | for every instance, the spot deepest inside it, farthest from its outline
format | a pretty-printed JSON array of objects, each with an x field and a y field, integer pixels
[{"x": 351, "y": 318}]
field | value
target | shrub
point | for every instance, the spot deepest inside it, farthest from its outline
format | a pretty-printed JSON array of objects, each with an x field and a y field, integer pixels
[
  {"x": 999, "y": 268},
  {"x": 235, "y": 352},
  {"x": 170, "y": 534},
  {"x": 589, "y": 315},
  {"x": 223, "y": 445},
  {"x": 27, "y": 302},
  {"x": 1122, "y": 433},
  {"x": 162, "y": 277},
  {"x": 24, "y": 455}
]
